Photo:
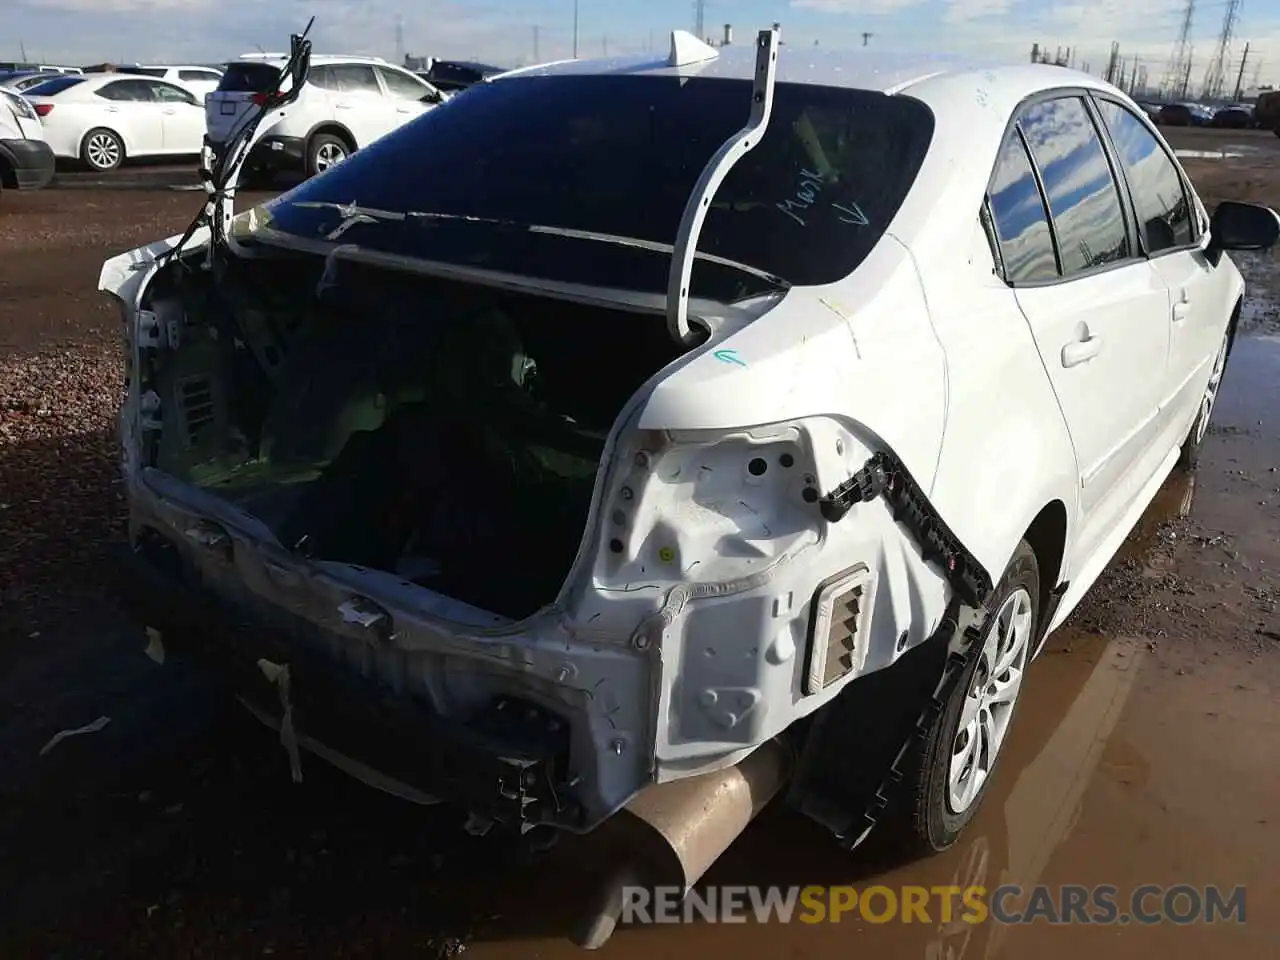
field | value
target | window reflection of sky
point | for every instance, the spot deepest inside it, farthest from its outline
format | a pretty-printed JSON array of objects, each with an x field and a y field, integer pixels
[
  {"x": 1153, "y": 181},
  {"x": 1019, "y": 217},
  {"x": 1082, "y": 194}
]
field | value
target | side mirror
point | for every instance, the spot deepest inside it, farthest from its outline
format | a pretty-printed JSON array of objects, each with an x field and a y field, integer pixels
[{"x": 1242, "y": 226}]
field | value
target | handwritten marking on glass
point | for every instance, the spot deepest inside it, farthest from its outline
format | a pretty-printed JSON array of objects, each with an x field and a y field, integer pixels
[
  {"x": 729, "y": 356},
  {"x": 806, "y": 196}
]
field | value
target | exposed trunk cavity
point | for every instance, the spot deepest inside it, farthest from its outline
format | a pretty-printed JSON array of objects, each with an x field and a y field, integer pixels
[{"x": 446, "y": 432}]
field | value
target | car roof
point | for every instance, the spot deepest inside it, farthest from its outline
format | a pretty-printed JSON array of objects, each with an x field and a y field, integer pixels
[
  {"x": 280, "y": 59},
  {"x": 175, "y": 66},
  {"x": 91, "y": 81},
  {"x": 958, "y": 84}
]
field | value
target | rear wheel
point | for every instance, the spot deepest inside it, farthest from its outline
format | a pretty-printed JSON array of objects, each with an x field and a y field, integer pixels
[
  {"x": 102, "y": 149},
  {"x": 325, "y": 150},
  {"x": 951, "y": 770}
]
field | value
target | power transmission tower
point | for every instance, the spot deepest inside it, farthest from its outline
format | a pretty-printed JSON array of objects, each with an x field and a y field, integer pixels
[
  {"x": 536, "y": 58},
  {"x": 575, "y": 29},
  {"x": 1113, "y": 62},
  {"x": 1214, "y": 78},
  {"x": 866, "y": 35},
  {"x": 399, "y": 40},
  {"x": 1244, "y": 58},
  {"x": 1180, "y": 59},
  {"x": 700, "y": 19}
]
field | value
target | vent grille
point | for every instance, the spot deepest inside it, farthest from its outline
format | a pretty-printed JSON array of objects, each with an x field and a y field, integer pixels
[
  {"x": 196, "y": 397},
  {"x": 842, "y": 635},
  {"x": 837, "y": 634}
]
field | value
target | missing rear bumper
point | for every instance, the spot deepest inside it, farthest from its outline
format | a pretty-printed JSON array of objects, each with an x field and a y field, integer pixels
[{"x": 506, "y": 762}]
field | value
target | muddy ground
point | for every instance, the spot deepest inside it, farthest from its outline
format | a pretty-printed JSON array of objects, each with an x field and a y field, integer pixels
[{"x": 1147, "y": 748}]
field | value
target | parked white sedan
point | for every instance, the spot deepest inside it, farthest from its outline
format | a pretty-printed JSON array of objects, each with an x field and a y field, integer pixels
[
  {"x": 593, "y": 453},
  {"x": 103, "y": 118}
]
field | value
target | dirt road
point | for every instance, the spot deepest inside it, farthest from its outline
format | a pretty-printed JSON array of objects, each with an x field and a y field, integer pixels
[{"x": 1145, "y": 752}]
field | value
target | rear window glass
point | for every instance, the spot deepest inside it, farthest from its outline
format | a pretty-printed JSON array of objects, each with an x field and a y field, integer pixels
[
  {"x": 51, "y": 87},
  {"x": 249, "y": 78},
  {"x": 143, "y": 71},
  {"x": 619, "y": 155}
]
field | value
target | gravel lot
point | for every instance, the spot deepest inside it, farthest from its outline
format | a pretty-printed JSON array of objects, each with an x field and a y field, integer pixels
[{"x": 173, "y": 831}]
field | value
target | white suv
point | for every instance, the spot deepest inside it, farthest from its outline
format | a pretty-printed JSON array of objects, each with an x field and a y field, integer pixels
[{"x": 347, "y": 103}]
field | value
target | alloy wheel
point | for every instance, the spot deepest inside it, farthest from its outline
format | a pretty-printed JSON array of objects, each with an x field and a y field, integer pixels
[{"x": 989, "y": 702}]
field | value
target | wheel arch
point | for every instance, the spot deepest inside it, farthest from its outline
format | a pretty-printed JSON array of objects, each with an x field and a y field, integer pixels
[
  {"x": 123, "y": 138},
  {"x": 1047, "y": 536},
  {"x": 336, "y": 129}
]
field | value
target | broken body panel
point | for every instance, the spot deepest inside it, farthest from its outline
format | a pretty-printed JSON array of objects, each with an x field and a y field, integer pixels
[{"x": 728, "y": 582}]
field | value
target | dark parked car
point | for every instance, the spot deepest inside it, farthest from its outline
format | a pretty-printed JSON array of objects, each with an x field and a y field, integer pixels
[
  {"x": 1181, "y": 115},
  {"x": 1152, "y": 109},
  {"x": 1235, "y": 118},
  {"x": 457, "y": 74}
]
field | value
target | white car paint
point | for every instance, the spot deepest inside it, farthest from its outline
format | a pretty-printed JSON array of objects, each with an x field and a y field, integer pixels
[
  {"x": 151, "y": 117},
  {"x": 18, "y": 121},
  {"x": 1063, "y": 404},
  {"x": 357, "y": 98}
]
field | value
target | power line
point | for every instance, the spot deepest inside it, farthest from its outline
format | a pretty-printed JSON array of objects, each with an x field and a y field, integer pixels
[
  {"x": 1214, "y": 77},
  {"x": 1240, "y": 76},
  {"x": 1180, "y": 59}
]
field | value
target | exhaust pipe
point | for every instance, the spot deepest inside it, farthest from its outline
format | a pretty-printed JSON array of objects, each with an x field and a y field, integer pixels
[{"x": 695, "y": 820}]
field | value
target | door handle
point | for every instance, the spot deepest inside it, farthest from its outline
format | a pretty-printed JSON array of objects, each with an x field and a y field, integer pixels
[
  {"x": 1181, "y": 308},
  {"x": 169, "y": 112},
  {"x": 343, "y": 106},
  {"x": 1081, "y": 351},
  {"x": 403, "y": 110},
  {"x": 113, "y": 109}
]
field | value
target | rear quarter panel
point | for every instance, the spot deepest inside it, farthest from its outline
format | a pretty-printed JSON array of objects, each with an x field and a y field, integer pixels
[{"x": 1005, "y": 451}]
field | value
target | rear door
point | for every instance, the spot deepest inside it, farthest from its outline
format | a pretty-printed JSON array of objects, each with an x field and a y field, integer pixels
[
  {"x": 1098, "y": 310},
  {"x": 227, "y": 107},
  {"x": 130, "y": 109},
  {"x": 1171, "y": 234},
  {"x": 181, "y": 115}
]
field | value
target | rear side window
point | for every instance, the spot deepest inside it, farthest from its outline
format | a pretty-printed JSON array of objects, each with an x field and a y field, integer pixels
[
  {"x": 131, "y": 90},
  {"x": 1021, "y": 222},
  {"x": 143, "y": 71},
  {"x": 350, "y": 78},
  {"x": 1159, "y": 196},
  {"x": 52, "y": 87},
  {"x": 201, "y": 76},
  {"x": 249, "y": 78},
  {"x": 1083, "y": 198}
]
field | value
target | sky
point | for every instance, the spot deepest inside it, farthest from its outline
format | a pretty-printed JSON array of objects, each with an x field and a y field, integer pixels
[{"x": 503, "y": 31}]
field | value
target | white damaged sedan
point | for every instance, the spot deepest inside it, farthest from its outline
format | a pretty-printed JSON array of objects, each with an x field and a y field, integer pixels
[{"x": 660, "y": 436}]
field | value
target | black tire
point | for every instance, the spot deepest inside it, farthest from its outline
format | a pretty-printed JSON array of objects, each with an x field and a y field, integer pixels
[
  {"x": 102, "y": 150},
  {"x": 929, "y": 822},
  {"x": 321, "y": 148},
  {"x": 1193, "y": 443}
]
